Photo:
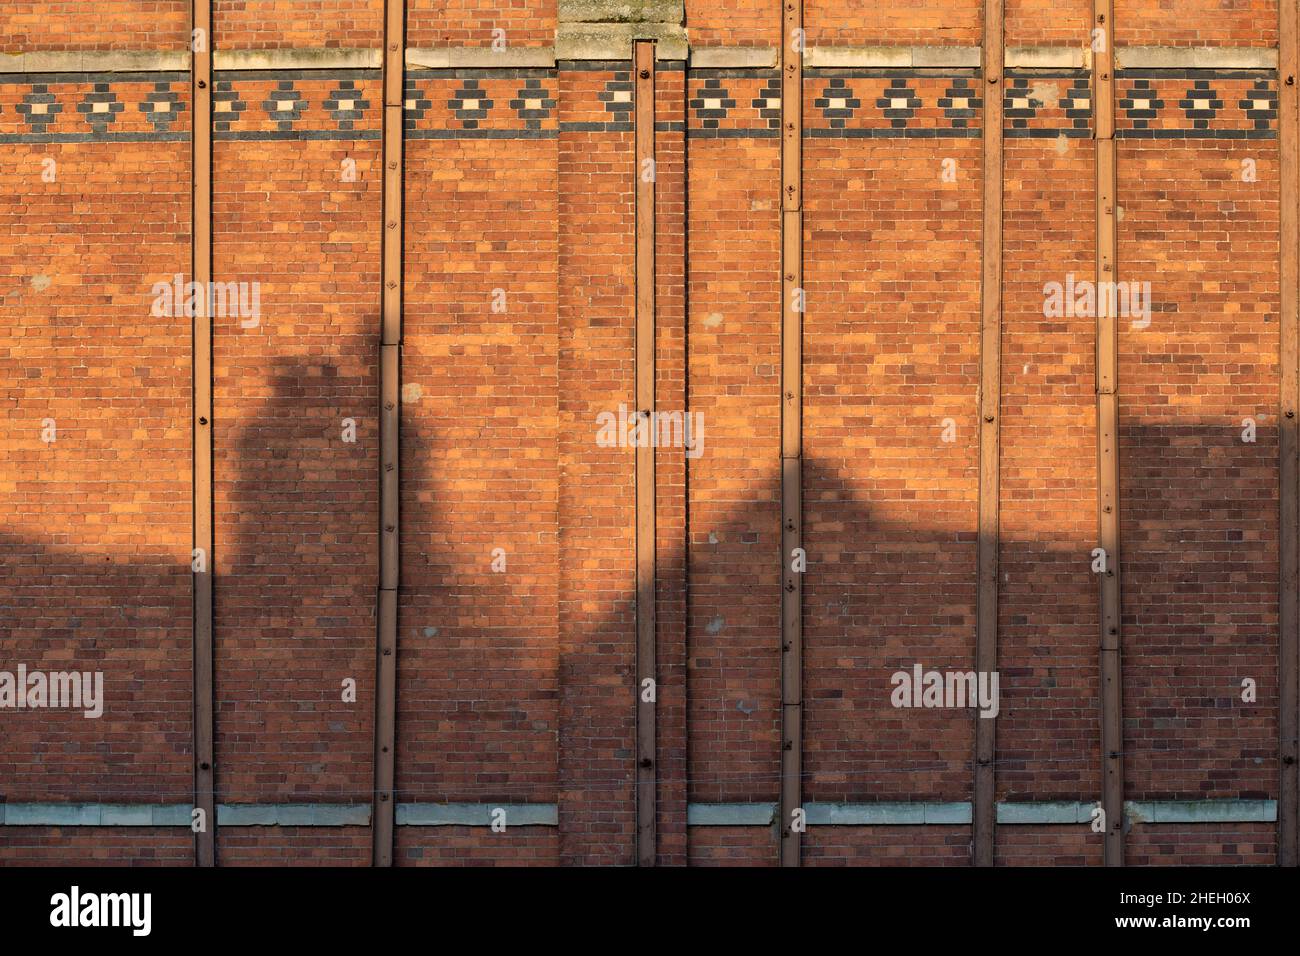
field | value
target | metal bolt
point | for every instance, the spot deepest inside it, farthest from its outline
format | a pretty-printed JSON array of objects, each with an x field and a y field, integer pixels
[
  {"x": 202, "y": 420},
  {"x": 645, "y": 74}
]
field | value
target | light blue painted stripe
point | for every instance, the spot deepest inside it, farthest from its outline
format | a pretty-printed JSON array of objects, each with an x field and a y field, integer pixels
[
  {"x": 1201, "y": 811},
  {"x": 476, "y": 814},
  {"x": 730, "y": 814},
  {"x": 178, "y": 815},
  {"x": 293, "y": 814},
  {"x": 1046, "y": 811},
  {"x": 886, "y": 814},
  {"x": 697, "y": 814}
]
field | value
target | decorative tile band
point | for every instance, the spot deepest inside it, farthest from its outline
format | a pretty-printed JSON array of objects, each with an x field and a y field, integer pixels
[{"x": 525, "y": 103}]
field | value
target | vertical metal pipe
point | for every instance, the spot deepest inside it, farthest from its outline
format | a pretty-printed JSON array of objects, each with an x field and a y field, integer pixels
[
  {"x": 390, "y": 361},
  {"x": 792, "y": 305},
  {"x": 1112, "y": 735},
  {"x": 1288, "y": 445},
  {"x": 990, "y": 392},
  {"x": 646, "y": 673},
  {"x": 201, "y": 339}
]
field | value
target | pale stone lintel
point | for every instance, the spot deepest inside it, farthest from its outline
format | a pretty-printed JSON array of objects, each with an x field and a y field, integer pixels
[
  {"x": 480, "y": 57},
  {"x": 1008, "y": 813},
  {"x": 891, "y": 56},
  {"x": 300, "y": 59},
  {"x": 613, "y": 41},
  {"x": 293, "y": 815},
  {"x": 734, "y": 57},
  {"x": 1152, "y": 812},
  {"x": 1201, "y": 811},
  {"x": 1044, "y": 58},
  {"x": 477, "y": 814},
  {"x": 96, "y": 61},
  {"x": 1045, "y": 811},
  {"x": 621, "y": 11},
  {"x": 1204, "y": 58},
  {"x": 730, "y": 814},
  {"x": 94, "y": 815},
  {"x": 886, "y": 814}
]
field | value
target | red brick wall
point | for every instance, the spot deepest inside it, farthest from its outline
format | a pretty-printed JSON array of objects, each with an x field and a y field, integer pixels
[
  {"x": 461, "y": 23},
  {"x": 1199, "y": 505},
  {"x": 95, "y": 538},
  {"x": 476, "y": 846},
  {"x": 478, "y": 668},
  {"x": 735, "y": 362},
  {"x": 96, "y": 846},
  {"x": 890, "y": 352},
  {"x": 518, "y": 685},
  {"x": 887, "y": 846},
  {"x": 27, "y": 26},
  {"x": 596, "y": 513},
  {"x": 294, "y": 846},
  {"x": 294, "y": 514},
  {"x": 1047, "y": 601},
  {"x": 274, "y": 24}
]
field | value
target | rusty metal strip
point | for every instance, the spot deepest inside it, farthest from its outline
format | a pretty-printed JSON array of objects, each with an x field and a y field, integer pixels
[
  {"x": 646, "y": 756},
  {"x": 984, "y": 817},
  {"x": 792, "y": 305},
  {"x": 1112, "y": 735},
  {"x": 1289, "y": 445},
  {"x": 205, "y": 852},
  {"x": 390, "y": 371}
]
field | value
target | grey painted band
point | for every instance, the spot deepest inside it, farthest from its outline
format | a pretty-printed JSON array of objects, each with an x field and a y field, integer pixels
[{"x": 697, "y": 814}]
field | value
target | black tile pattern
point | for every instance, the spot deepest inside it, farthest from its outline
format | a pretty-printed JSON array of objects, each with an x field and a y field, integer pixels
[
  {"x": 768, "y": 104},
  {"x": 960, "y": 102},
  {"x": 1019, "y": 105},
  {"x": 100, "y": 107},
  {"x": 1140, "y": 103},
  {"x": 1200, "y": 104},
  {"x": 837, "y": 102},
  {"x": 285, "y": 105},
  {"x": 39, "y": 107},
  {"x": 470, "y": 103},
  {"x": 226, "y": 106},
  {"x": 162, "y": 107},
  {"x": 415, "y": 104},
  {"x": 1077, "y": 102},
  {"x": 1260, "y": 104},
  {"x": 345, "y": 104},
  {"x": 899, "y": 103},
  {"x": 617, "y": 96},
  {"x": 711, "y": 103},
  {"x": 533, "y": 104}
]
